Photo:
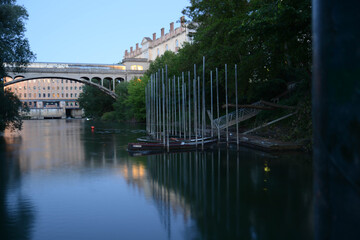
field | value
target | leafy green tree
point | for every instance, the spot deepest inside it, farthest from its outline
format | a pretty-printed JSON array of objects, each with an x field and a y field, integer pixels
[
  {"x": 268, "y": 39},
  {"x": 10, "y": 109},
  {"x": 95, "y": 102},
  {"x": 123, "y": 111},
  {"x": 136, "y": 97},
  {"x": 14, "y": 48}
]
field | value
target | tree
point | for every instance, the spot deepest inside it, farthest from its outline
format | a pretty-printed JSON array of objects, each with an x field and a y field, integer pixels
[
  {"x": 14, "y": 48},
  {"x": 10, "y": 110},
  {"x": 122, "y": 110},
  {"x": 95, "y": 102},
  {"x": 136, "y": 98}
]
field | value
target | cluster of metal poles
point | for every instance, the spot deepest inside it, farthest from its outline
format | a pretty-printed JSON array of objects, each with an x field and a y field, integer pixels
[{"x": 176, "y": 106}]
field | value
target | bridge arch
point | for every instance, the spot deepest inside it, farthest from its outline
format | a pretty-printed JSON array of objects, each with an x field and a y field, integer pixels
[{"x": 103, "y": 89}]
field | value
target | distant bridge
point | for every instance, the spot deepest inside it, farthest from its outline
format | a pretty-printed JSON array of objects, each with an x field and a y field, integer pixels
[{"x": 90, "y": 74}]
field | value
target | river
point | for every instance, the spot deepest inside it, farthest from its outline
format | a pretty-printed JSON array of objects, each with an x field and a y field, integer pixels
[{"x": 61, "y": 180}]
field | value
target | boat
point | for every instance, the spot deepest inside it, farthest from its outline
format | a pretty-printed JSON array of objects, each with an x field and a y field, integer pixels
[{"x": 174, "y": 145}]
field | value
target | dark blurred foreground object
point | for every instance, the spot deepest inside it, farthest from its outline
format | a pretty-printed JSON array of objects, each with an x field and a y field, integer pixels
[{"x": 336, "y": 118}]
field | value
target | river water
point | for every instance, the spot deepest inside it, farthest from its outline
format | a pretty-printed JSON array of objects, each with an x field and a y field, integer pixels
[{"x": 61, "y": 180}]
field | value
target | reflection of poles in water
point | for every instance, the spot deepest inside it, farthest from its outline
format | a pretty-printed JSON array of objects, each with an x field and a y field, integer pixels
[
  {"x": 237, "y": 193},
  {"x": 219, "y": 207},
  {"x": 227, "y": 191}
]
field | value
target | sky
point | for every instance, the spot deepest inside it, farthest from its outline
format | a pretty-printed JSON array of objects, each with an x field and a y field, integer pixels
[{"x": 95, "y": 31}]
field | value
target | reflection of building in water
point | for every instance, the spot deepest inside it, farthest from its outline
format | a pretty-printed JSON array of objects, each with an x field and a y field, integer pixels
[
  {"x": 47, "y": 153},
  {"x": 48, "y": 98}
]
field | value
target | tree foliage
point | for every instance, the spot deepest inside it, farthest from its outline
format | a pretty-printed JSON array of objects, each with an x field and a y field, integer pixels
[
  {"x": 95, "y": 102},
  {"x": 14, "y": 47},
  {"x": 10, "y": 109}
]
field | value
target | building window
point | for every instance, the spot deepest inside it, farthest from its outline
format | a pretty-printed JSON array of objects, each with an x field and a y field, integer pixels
[
  {"x": 25, "y": 95},
  {"x": 44, "y": 95},
  {"x": 62, "y": 95},
  {"x": 48, "y": 94},
  {"x": 53, "y": 95},
  {"x": 70, "y": 88},
  {"x": 34, "y": 95},
  {"x": 75, "y": 94},
  {"x": 166, "y": 47},
  {"x": 39, "y": 95},
  {"x": 67, "y": 95},
  {"x": 75, "y": 88},
  {"x": 177, "y": 43},
  {"x": 48, "y": 87},
  {"x": 66, "y": 88},
  {"x": 58, "y": 95},
  {"x": 79, "y": 88},
  {"x": 70, "y": 94},
  {"x": 158, "y": 52},
  {"x": 30, "y": 103},
  {"x": 20, "y": 95}
]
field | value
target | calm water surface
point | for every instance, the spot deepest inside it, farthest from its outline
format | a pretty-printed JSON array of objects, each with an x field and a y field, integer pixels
[{"x": 60, "y": 180}]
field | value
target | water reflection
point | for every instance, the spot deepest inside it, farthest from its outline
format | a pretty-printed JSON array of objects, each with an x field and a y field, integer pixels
[
  {"x": 235, "y": 195},
  {"x": 106, "y": 194},
  {"x": 16, "y": 210}
]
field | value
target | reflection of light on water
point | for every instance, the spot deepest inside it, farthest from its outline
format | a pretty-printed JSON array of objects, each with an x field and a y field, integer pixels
[
  {"x": 134, "y": 172},
  {"x": 266, "y": 174}
]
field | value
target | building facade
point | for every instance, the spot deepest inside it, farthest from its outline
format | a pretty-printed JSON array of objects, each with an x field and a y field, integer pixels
[
  {"x": 49, "y": 98},
  {"x": 154, "y": 47}
]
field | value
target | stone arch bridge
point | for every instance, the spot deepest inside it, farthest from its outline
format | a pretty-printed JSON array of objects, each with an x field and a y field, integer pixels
[{"x": 91, "y": 74}]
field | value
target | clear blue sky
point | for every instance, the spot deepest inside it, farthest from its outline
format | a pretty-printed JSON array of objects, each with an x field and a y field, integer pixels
[{"x": 94, "y": 31}]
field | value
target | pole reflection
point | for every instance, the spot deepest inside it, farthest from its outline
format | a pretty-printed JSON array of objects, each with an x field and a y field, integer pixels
[{"x": 234, "y": 194}]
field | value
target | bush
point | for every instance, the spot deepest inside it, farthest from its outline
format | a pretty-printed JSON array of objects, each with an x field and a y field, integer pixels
[{"x": 109, "y": 116}]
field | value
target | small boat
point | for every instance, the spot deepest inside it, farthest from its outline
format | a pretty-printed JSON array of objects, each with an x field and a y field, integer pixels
[{"x": 174, "y": 145}]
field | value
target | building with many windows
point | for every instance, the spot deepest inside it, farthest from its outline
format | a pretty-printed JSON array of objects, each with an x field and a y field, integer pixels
[
  {"x": 49, "y": 98},
  {"x": 151, "y": 48}
]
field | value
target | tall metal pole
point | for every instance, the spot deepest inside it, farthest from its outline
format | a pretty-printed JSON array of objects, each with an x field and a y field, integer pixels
[
  {"x": 195, "y": 111},
  {"x": 147, "y": 109},
  {"x": 203, "y": 105},
  {"x": 227, "y": 108},
  {"x": 189, "y": 102},
  {"x": 211, "y": 108},
  {"x": 163, "y": 107},
  {"x": 168, "y": 106},
  {"x": 236, "y": 109},
  {"x": 179, "y": 113},
  {"x": 183, "y": 105},
  {"x": 174, "y": 107},
  {"x": 217, "y": 102},
  {"x": 198, "y": 103}
]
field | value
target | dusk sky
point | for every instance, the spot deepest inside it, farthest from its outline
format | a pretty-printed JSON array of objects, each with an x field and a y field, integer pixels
[{"x": 94, "y": 31}]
